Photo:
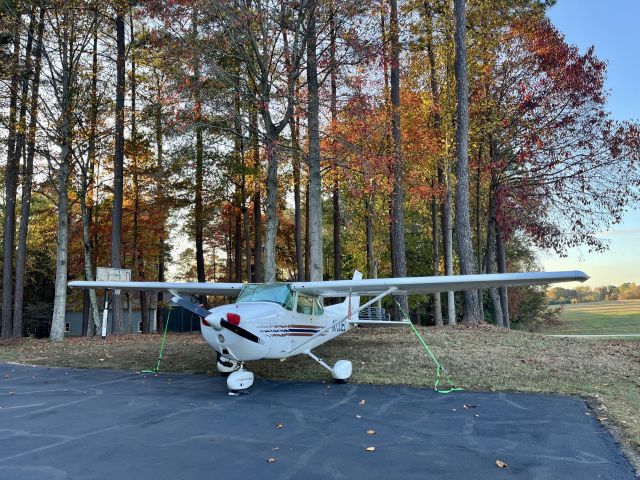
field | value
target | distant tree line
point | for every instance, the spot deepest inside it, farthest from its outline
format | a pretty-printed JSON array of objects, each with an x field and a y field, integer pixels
[
  {"x": 584, "y": 294},
  {"x": 262, "y": 140}
]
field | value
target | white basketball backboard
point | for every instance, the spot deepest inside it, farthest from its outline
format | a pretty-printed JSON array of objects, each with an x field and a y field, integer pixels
[{"x": 104, "y": 274}]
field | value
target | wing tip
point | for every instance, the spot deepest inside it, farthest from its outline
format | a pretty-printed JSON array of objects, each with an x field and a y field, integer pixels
[{"x": 582, "y": 276}]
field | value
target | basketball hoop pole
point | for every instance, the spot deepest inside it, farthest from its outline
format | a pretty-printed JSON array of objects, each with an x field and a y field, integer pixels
[{"x": 105, "y": 314}]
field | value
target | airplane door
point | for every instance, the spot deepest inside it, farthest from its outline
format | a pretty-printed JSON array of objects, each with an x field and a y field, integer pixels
[{"x": 304, "y": 306}]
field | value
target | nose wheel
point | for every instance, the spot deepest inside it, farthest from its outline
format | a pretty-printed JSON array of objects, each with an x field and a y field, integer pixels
[{"x": 239, "y": 381}]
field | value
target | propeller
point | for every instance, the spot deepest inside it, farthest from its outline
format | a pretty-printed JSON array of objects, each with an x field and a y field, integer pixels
[
  {"x": 203, "y": 312},
  {"x": 240, "y": 331}
]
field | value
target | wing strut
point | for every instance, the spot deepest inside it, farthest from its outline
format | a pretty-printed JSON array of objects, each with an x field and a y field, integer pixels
[{"x": 340, "y": 320}]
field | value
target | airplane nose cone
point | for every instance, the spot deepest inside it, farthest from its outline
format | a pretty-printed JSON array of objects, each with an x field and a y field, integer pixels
[{"x": 237, "y": 330}]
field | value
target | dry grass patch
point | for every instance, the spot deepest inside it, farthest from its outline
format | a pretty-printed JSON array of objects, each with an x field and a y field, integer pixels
[{"x": 604, "y": 371}]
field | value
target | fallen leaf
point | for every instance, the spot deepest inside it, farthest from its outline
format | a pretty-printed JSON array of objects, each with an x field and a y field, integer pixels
[
  {"x": 362, "y": 402},
  {"x": 279, "y": 426},
  {"x": 371, "y": 432},
  {"x": 370, "y": 449},
  {"x": 501, "y": 464},
  {"x": 271, "y": 459}
]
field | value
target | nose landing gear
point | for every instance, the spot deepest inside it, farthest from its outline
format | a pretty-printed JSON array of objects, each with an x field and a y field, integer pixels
[
  {"x": 239, "y": 381},
  {"x": 226, "y": 366}
]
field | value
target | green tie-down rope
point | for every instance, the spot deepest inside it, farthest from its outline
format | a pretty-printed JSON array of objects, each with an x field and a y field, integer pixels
[
  {"x": 164, "y": 338},
  {"x": 440, "y": 371}
]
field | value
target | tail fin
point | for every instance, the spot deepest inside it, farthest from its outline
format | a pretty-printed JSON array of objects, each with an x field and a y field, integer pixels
[{"x": 352, "y": 303}]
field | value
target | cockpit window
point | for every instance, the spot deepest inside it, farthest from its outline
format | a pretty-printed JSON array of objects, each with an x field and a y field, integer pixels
[
  {"x": 305, "y": 305},
  {"x": 276, "y": 293}
]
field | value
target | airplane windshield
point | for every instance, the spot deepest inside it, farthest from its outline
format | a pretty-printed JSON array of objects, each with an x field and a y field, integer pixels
[{"x": 276, "y": 293}]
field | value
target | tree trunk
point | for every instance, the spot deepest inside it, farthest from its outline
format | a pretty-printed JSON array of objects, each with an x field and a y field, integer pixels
[
  {"x": 491, "y": 256},
  {"x": 315, "y": 179},
  {"x": 27, "y": 181},
  {"x": 307, "y": 262},
  {"x": 297, "y": 207},
  {"x": 257, "y": 207},
  {"x": 11, "y": 180},
  {"x": 88, "y": 184},
  {"x": 62, "y": 242},
  {"x": 271, "y": 206},
  {"x": 437, "y": 304},
  {"x": 397, "y": 220},
  {"x": 62, "y": 237},
  {"x": 372, "y": 268},
  {"x": 502, "y": 268},
  {"x": 244, "y": 211},
  {"x": 88, "y": 263},
  {"x": 437, "y": 123},
  {"x": 199, "y": 209},
  {"x": 447, "y": 241},
  {"x": 118, "y": 165},
  {"x": 471, "y": 306},
  {"x": 160, "y": 169},
  {"x": 237, "y": 238},
  {"x": 337, "y": 246},
  {"x": 478, "y": 227},
  {"x": 245, "y": 219},
  {"x": 138, "y": 257}
]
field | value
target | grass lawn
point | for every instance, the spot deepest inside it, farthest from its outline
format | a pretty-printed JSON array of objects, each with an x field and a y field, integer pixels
[
  {"x": 607, "y": 372},
  {"x": 617, "y": 317}
]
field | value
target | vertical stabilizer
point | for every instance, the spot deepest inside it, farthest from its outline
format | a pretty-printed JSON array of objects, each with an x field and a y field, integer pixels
[{"x": 352, "y": 303}]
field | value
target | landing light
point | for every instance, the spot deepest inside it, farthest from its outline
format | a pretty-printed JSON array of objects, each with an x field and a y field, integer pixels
[{"x": 233, "y": 318}]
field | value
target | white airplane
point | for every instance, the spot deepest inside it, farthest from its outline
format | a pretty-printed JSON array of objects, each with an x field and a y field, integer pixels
[{"x": 279, "y": 320}]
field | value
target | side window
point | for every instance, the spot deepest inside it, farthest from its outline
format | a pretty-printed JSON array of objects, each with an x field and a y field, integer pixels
[
  {"x": 319, "y": 309},
  {"x": 288, "y": 303},
  {"x": 305, "y": 305}
]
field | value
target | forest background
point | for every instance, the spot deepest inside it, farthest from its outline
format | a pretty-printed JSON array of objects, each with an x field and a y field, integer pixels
[{"x": 263, "y": 140}]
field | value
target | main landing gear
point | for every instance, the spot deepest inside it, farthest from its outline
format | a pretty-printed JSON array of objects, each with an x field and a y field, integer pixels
[{"x": 340, "y": 372}]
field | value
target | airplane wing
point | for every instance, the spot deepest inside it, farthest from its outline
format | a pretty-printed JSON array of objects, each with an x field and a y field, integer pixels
[
  {"x": 226, "y": 289},
  {"x": 415, "y": 285},
  {"x": 365, "y": 287}
]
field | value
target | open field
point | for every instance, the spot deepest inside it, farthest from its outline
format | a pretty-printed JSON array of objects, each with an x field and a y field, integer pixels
[
  {"x": 607, "y": 372},
  {"x": 617, "y": 317}
]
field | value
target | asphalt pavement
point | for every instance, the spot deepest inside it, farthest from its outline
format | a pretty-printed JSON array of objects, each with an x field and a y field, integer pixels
[{"x": 96, "y": 424}]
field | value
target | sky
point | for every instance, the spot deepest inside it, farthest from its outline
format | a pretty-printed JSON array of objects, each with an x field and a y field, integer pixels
[{"x": 611, "y": 26}]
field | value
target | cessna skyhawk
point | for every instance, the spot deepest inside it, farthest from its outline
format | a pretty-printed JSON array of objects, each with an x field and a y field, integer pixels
[{"x": 279, "y": 320}]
